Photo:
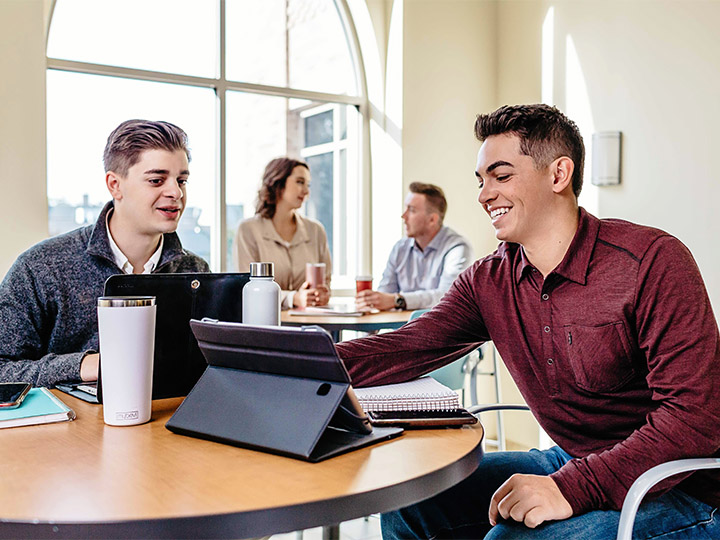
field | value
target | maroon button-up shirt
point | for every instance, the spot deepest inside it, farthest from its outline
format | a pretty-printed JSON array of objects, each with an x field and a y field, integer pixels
[{"x": 616, "y": 352}]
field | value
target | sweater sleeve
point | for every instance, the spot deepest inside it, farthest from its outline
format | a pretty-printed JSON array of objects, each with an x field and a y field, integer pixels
[
  {"x": 25, "y": 325},
  {"x": 678, "y": 336},
  {"x": 450, "y": 330}
]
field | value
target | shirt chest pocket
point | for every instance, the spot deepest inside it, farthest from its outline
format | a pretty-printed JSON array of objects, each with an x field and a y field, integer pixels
[{"x": 600, "y": 356}]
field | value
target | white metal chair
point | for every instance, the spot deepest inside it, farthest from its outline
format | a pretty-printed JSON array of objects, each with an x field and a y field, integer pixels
[{"x": 647, "y": 480}]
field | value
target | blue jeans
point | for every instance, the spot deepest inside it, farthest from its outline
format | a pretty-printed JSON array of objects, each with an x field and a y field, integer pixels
[{"x": 461, "y": 511}]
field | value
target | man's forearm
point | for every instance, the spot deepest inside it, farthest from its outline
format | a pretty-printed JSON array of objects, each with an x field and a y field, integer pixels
[{"x": 45, "y": 371}]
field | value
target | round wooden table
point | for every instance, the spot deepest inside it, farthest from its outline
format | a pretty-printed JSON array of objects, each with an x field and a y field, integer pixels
[{"x": 86, "y": 479}]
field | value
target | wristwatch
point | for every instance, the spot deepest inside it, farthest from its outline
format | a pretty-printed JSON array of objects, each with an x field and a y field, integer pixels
[{"x": 400, "y": 302}]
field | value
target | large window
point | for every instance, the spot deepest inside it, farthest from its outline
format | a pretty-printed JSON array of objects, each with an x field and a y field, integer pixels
[{"x": 249, "y": 80}]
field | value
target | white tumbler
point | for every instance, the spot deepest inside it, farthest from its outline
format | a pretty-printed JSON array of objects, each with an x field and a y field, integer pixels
[{"x": 126, "y": 327}]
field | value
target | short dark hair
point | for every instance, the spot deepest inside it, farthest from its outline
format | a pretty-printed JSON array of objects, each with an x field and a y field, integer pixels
[
  {"x": 434, "y": 195},
  {"x": 133, "y": 137},
  {"x": 273, "y": 183},
  {"x": 545, "y": 134}
]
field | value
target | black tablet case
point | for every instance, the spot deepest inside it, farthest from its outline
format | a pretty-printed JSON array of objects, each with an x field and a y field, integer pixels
[
  {"x": 178, "y": 361},
  {"x": 273, "y": 389}
]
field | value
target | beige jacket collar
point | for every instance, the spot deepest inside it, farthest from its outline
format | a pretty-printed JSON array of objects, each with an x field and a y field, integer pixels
[{"x": 301, "y": 234}]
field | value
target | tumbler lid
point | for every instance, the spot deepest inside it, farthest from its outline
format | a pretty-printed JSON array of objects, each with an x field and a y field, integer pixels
[
  {"x": 262, "y": 269},
  {"x": 126, "y": 301}
]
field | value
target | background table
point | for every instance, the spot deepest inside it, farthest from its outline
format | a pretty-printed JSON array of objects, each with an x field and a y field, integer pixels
[
  {"x": 83, "y": 478},
  {"x": 336, "y": 324}
]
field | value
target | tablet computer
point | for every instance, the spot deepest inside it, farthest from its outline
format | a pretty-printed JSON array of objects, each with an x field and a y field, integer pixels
[{"x": 278, "y": 389}]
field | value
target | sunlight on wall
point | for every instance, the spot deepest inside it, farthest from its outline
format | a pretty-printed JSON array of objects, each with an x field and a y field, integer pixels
[
  {"x": 548, "y": 52},
  {"x": 387, "y": 152},
  {"x": 394, "y": 67},
  {"x": 577, "y": 101},
  {"x": 577, "y": 107}
]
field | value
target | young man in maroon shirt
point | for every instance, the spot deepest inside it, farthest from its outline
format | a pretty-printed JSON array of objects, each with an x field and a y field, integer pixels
[{"x": 608, "y": 332}]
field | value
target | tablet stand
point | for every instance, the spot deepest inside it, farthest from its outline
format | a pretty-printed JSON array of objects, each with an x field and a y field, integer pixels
[{"x": 280, "y": 413}]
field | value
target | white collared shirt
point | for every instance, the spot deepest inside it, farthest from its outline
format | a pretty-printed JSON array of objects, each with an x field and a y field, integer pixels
[
  {"x": 424, "y": 276},
  {"x": 122, "y": 261}
]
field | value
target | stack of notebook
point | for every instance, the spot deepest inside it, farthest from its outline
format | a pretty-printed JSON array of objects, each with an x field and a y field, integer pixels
[
  {"x": 39, "y": 407},
  {"x": 423, "y": 394}
]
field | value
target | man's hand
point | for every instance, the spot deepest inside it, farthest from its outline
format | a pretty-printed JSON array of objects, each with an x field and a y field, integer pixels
[
  {"x": 529, "y": 499},
  {"x": 368, "y": 299},
  {"x": 305, "y": 296},
  {"x": 89, "y": 367}
]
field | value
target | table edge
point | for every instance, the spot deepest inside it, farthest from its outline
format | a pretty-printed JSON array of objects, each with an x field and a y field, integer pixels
[{"x": 264, "y": 521}]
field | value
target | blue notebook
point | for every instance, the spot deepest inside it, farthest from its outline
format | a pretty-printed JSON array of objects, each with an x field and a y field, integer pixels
[{"x": 39, "y": 407}]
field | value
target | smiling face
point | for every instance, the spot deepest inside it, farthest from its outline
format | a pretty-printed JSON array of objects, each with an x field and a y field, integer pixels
[
  {"x": 297, "y": 187},
  {"x": 516, "y": 195},
  {"x": 150, "y": 198}
]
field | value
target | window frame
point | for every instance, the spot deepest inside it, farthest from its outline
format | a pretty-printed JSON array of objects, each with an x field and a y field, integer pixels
[{"x": 221, "y": 85}]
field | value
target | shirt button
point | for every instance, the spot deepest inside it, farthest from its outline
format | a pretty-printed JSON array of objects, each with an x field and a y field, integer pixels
[
  {"x": 550, "y": 361},
  {"x": 545, "y": 296},
  {"x": 547, "y": 329}
]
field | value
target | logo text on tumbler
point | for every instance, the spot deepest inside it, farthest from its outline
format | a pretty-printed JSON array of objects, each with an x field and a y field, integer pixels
[{"x": 129, "y": 415}]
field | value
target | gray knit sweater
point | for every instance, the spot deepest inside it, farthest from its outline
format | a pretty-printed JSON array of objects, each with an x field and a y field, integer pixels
[{"x": 48, "y": 299}]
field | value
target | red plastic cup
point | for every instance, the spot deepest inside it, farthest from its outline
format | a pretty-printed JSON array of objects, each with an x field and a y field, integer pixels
[
  {"x": 363, "y": 283},
  {"x": 315, "y": 274}
]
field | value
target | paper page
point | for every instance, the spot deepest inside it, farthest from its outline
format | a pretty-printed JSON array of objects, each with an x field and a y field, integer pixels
[{"x": 424, "y": 393}]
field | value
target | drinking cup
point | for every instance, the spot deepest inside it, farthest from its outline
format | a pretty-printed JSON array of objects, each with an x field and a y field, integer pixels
[
  {"x": 363, "y": 283},
  {"x": 126, "y": 328},
  {"x": 315, "y": 274}
]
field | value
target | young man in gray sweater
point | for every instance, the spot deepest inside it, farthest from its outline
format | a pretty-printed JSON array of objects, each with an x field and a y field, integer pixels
[{"x": 48, "y": 317}]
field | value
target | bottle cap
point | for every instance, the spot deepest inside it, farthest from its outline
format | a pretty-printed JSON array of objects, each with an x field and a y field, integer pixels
[{"x": 262, "y": 269}]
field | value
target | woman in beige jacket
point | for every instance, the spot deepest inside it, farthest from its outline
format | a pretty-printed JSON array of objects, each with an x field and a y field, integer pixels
[{"x": 279, "y": 234}]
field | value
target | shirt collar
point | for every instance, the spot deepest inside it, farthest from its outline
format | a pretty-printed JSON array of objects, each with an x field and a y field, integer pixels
[
  {"x": 301, "y": 233},
  {"x": 575, "y": 264},
  {"x": 122, "y": 261},
  {"x": 435, "y": 243},
  {"x": 524, "y": 266}
]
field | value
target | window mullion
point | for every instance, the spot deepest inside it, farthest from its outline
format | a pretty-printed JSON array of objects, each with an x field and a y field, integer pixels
[{"x": 219, "y": 239}]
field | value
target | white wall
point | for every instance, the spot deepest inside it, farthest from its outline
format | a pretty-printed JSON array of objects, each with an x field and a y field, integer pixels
[
  {"x": 448, "y": 78},
  {"x": 648, "y": 69},
  {"x": 651, "y": 71},
  {"x": 23, "y": 206}
]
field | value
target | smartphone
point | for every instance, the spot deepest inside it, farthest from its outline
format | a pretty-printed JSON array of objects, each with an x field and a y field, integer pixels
[
  {"x": 12, "y": 394},
  {"x": 422, "y": 419}
]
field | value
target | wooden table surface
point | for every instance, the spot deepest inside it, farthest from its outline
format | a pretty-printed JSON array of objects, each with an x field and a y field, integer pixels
[{"x": 83, "y": 478}]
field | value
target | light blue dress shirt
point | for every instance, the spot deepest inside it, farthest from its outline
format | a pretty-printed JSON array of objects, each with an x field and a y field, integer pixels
[{"x": 424, "y": 276}]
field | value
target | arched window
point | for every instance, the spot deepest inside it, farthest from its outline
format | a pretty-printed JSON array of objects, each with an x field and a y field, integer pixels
[{"x": 249, "y": 80}]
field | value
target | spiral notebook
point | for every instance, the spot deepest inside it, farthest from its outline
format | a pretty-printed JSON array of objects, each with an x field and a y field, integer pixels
[{"x": 423, "y": 394}]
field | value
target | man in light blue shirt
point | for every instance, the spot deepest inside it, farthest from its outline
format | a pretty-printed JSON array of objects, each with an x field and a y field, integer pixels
[{"x": 422, "y": 266}]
